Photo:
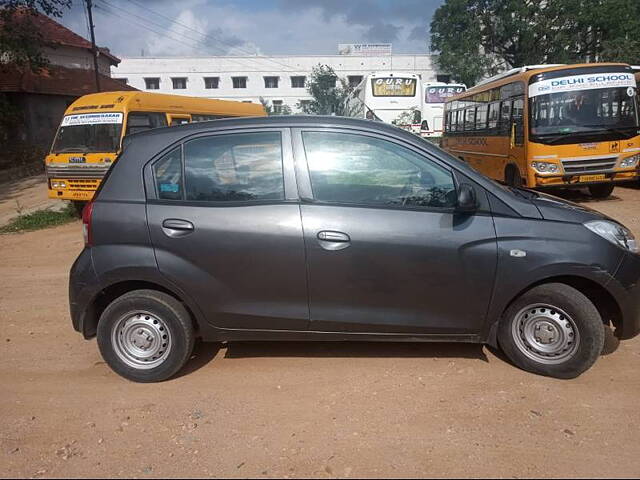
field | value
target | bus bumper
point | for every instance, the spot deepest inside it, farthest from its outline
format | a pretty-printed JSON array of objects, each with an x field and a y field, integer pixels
[
  {"x": 81, "y": 190},
  {"x": 568, "y": 181}
]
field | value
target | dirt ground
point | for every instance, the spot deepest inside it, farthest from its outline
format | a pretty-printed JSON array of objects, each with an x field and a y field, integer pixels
[{"x": 294, "y": 409}]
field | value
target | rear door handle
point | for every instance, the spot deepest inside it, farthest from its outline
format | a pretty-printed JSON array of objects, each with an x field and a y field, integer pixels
[
  {"x": 175, "y": 227},
  {"x": 332, "y": 240}
]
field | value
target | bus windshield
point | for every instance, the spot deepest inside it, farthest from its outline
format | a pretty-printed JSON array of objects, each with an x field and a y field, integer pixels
[
  {"x": 89, "y": 132},
  {"x": 586, "y": 110},
  {"x": 440, "y": 94},
  {"x": 394, "y": 87}
]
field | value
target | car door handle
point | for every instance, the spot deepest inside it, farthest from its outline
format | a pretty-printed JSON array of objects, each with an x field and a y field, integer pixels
[
  {"x": 332, "y": 240},
  {"x": 175, "y": 227}
]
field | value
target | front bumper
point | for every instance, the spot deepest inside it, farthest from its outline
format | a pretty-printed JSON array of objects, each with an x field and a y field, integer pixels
[
  {"x": 625, "y": 287},
  {"x": 573, "y": 180}
]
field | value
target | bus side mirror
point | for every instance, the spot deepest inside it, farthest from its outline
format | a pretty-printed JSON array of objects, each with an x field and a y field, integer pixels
[{"x": 467, "y": 201}]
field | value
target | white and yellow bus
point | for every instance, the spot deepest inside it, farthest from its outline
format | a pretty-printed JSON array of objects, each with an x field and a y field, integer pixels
[
  {"x": 550, "y": 127},
  {"x": 91, "y": 132}
]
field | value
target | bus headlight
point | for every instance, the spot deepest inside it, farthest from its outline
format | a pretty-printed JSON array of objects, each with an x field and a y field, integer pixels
[
  {"x": 630, "y": 161},
  {"x": 545, "y": 167}
]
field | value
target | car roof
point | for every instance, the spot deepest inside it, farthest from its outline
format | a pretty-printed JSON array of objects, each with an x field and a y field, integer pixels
[{"x": 283, "y": 121}]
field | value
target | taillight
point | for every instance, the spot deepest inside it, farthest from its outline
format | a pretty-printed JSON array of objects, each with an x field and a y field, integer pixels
[{"x": 87, "y": 211}]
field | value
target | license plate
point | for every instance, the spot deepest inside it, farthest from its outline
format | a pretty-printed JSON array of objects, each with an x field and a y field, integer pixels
[{"x": 592, "y": 178}]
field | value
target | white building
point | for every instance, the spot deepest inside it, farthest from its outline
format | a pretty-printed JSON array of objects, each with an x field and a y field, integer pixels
[{"x": 278, "y": 79}]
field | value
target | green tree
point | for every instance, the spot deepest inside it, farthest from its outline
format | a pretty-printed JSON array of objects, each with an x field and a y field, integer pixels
[
  {"x": 329, "y": 93},
  {"x": 20, "y": 41},
  {"x": 268, "y": 107},
  {"x": 477, "y": 38}
]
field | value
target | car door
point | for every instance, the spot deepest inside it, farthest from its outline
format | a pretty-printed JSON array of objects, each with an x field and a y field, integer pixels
[
  {"x": 225, "y": 223},
  {"x": 386, "y": 250}
]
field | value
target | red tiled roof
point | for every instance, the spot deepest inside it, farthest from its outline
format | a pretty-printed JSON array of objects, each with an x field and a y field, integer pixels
[
  {"x": 54, "y": 34},
  {"x": 55, "y": 80}
]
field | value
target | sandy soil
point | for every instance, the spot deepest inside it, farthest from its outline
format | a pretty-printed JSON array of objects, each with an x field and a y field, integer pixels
[
  {"x": 25, "y": 196},
  {"x": 295, "y": 409}
]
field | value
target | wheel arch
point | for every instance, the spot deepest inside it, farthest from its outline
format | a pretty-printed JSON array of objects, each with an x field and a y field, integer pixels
[
  {"x": 603, "y": 300},
  {"x": 112, "y": 291}
]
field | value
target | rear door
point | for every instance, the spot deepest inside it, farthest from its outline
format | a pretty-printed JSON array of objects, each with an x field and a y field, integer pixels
[
  {"x": 225, "y": 223},
  {"x": 386, "y": 250}
]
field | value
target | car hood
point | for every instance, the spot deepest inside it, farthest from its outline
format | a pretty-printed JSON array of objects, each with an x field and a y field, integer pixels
[{"x": 559, "y": 209}]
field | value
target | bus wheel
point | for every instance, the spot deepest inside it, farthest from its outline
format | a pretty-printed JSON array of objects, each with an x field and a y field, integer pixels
[
  {"x": 512, "y": 176},
  {"x": 78, "y": 207},
  {"x": 601, "y": 190}
]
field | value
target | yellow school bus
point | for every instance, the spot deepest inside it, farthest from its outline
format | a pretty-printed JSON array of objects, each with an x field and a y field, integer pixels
[
  {"x": 91, "y": 132},
  {"x": 550, "y": 126}
]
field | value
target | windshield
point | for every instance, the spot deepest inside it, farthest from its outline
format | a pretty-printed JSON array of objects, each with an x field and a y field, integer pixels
[
  {"x": 567, "y": 108},
  {"x": 394, "y": 87},
  {"x": 89, "y": 132}
]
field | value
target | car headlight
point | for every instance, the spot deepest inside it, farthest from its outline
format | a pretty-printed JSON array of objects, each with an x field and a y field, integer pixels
[
  {"x": 545, "y": 167},
  {"x": 631, "y": 161},
  {"x": 615, "y": 233}
]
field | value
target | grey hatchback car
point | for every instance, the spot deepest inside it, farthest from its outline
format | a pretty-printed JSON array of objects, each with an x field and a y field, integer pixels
[{"x": 325, "y": 228}]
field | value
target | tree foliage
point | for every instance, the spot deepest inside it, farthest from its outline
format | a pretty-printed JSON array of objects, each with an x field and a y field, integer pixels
[
  {"x": 329, "y": 93},
  {"x": 270, "y": 109},
  {"x": 20, "y": 41},
  {"x": 476, "y": 38}
]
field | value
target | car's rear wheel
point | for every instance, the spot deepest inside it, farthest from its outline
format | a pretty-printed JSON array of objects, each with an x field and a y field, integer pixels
[
  {"x": 145, "y": 335},
  {"x": 552, "y": 330},
  {"x": 601, "y": 190}
]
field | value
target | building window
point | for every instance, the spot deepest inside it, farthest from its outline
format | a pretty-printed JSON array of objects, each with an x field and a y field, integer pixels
[
  {"x": 298, "y": 82},
  {"x": 123, "y": 80},
  {"x": 239, "y": 82},
  {"x": 247, "y": 101},
  {"x": 152, "y": 83},
  {"x": 179, "y": 83},
  {"x": 277, "y": 107},
  {"x": 354, "y": 80},
  {"x": 270, "y": 82},
  {"x": 211, "y": 82},
  {"x": 303, "y": 104}
]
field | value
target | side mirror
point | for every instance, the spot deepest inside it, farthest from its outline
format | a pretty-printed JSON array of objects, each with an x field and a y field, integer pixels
[{"x": 467, "y": 201}]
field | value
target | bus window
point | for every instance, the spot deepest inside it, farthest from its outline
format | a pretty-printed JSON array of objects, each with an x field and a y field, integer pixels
[
  {"x": 481, "y": 117},
  {"x": 517, "y": 112},
  {"x": 494, "y": 110},
  {"x": 505, "y": 117},
  {"x": 138, "y": 121},
  {"x": 470, "y": 119}
]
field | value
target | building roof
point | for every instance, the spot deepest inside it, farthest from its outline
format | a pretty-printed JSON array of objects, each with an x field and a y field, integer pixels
[
  {"x": 55, "y": 80},
  {"x": 54, "y": 34}
]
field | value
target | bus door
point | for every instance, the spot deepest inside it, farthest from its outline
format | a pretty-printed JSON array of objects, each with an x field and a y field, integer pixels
[
  {"x": 178, "y": 119},
  {"x": 517, "y": 154}
]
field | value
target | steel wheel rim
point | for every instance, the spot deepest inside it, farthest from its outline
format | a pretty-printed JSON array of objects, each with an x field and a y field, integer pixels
[
  {"x": 141, "y": 340},
  {"x": 545, "y": 333}
]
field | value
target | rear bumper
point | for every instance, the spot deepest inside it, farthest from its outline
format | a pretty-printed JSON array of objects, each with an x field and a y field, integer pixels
[
  {"x": 83, "y": 284},
  {"x": 625, "y": 287}
]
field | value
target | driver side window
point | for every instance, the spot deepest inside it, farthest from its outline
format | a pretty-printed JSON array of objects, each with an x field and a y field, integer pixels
[{"x": 362, "y": 170}]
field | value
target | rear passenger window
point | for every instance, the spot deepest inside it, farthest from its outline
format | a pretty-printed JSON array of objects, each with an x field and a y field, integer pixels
[
  {"x": 168, "y": 175},
  {"x": 234, "y": 167}
]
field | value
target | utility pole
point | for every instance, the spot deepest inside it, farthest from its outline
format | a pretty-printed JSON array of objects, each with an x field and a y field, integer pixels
[{"x": 93, "y": 45}]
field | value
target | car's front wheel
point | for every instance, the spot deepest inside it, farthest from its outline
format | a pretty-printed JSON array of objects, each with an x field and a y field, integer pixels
[
  {"x": 552, "y": 330},
  {"x": 145, "y": 335}
]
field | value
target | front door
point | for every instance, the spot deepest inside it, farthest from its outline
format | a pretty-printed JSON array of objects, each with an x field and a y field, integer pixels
[
  {"x": 386, "y": 251},
  {"x": 226, "y": 230}
]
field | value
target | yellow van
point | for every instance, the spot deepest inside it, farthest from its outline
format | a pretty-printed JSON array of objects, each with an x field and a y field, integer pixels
[{"x": 90, "y": 135}]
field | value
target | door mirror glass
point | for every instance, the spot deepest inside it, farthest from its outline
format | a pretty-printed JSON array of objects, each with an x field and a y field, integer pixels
[{"x": 467, "y": 201}]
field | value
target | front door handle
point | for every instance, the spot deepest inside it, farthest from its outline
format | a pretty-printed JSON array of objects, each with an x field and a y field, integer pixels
[
  {"x": 175, "y": 227},
  {"x": 332, "y": 240}
]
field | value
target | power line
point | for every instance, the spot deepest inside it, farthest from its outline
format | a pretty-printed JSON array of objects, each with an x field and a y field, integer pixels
[
  {"x": 165, "y": 32},
  {"x": 209, "y": 36}
]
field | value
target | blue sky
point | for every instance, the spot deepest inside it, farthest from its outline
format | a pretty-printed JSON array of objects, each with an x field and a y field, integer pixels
[{"x": 269, "y": 27}]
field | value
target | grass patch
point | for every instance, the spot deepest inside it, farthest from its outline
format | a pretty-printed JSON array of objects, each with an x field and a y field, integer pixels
[{"x": 40, "y": 219}]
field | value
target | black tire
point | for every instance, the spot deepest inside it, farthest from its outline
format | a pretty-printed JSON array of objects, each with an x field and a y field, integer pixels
[
  {"x": 512, "y": 176},
  {"x": 145, "y": 306},
  {"x": 78, "y": 207},
  {"x": 601, "y": 190},
  {"x": 583, "y": 324}
]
